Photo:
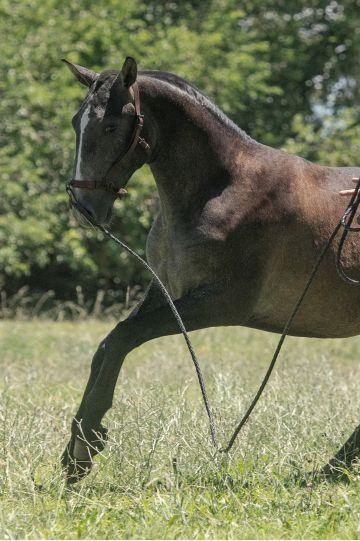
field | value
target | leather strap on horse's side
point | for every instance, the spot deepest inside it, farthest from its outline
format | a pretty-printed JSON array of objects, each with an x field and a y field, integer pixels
[{"x": 109, "y": 185}]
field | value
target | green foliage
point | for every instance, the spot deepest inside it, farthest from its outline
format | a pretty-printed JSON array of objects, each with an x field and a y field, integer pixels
[
  {"x": 335, "y": 142},
  {"x": 268, "y": 64}
]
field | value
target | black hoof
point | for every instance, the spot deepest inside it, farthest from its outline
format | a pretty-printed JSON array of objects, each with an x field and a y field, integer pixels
[
  {"x": 76, "y": 468},
  {"x": 331, "y": 473},
  {"x": 336, "y": 471}
]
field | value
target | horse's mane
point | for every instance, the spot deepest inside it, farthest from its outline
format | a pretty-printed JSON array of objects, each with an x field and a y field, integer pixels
[{"x": 193, "y": 92}]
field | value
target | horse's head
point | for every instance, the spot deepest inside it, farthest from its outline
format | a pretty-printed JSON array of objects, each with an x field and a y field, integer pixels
[{"x": 107, "y": 132}]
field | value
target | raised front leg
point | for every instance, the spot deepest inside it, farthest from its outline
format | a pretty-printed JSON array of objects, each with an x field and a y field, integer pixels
[
  {"x": 76, "y": 456},
  {"x": 200, "y": 309}
]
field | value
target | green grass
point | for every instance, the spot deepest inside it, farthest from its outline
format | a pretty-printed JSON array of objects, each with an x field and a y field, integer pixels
[{"x": 309, "y": 409}]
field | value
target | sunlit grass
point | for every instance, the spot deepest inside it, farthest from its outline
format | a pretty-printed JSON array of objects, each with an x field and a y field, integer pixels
[{"x": 157, "y": 477}]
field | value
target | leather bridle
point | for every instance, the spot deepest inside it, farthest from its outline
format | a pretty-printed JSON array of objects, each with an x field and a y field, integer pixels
[{"x": 104, "y": 183}]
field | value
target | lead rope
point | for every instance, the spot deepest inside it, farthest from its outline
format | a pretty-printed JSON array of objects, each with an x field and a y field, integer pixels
[
  {"x": 344, "y": 222},
  {"x": 170, "y": 302},
  {"x": 179, "y": 321}
]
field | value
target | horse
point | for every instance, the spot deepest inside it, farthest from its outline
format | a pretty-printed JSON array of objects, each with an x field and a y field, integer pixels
[{"x": 239, "y": 228}]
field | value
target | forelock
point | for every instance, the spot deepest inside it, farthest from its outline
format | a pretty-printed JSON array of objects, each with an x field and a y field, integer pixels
[{"x": 104, "y": 94}]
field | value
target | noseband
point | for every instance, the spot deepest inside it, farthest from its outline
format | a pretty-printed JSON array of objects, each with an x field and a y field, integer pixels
[{"x": 108, "y": 185}]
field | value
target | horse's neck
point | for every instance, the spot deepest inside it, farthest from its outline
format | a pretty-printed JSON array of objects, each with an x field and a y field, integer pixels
[{"x": 194, "y": 150}]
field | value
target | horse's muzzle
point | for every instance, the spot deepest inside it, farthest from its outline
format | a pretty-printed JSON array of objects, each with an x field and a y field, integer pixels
[{"x": 85, "y": 214}]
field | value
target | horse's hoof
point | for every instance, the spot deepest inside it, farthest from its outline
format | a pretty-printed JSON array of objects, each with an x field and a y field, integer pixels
[
  {"x": 332, "y": 472},
  {"x": 77, "y": 470},
  {"x": 77, "y": 459},
  {"x": 336, "y": 471}
]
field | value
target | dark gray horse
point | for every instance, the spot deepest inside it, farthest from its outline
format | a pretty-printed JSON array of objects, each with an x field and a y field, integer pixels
[{"x": 239, "y": 228}]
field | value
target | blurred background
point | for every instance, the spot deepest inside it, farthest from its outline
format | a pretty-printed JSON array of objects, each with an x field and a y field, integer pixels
[{"x": 285, "y": 72}]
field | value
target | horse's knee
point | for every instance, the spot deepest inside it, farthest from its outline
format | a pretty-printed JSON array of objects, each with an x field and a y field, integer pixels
[{"x": 122, "y": 339}]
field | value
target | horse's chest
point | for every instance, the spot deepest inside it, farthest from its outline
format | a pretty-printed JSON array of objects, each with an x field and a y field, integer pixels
[{"x": 182, "y": 261}]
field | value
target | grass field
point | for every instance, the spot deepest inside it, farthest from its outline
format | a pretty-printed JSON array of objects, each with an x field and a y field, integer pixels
[{"x": 309, "y": 409}]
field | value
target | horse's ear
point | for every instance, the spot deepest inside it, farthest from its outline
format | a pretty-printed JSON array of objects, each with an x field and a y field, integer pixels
[
  {"x": 83, "y": 75},
  {"x": 129, "y": 71}
]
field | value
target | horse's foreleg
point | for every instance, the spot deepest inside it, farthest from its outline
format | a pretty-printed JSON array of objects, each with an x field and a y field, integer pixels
[
  {"x": 152, "y": 298},
  {"x": 75, "y": 448},
  {"x": 199, "y": 309}
]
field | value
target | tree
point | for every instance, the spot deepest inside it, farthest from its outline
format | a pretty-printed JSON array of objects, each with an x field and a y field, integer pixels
[{"x": 285, "y": 72}]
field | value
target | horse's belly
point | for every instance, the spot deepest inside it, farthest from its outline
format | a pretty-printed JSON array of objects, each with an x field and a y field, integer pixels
[
  {"x": 331, "y": 308},
  {"x": 262, "y": 285}
]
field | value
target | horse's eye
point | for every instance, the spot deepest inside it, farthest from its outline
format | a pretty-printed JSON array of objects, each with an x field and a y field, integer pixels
[{"x": 110, "y": 129}]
